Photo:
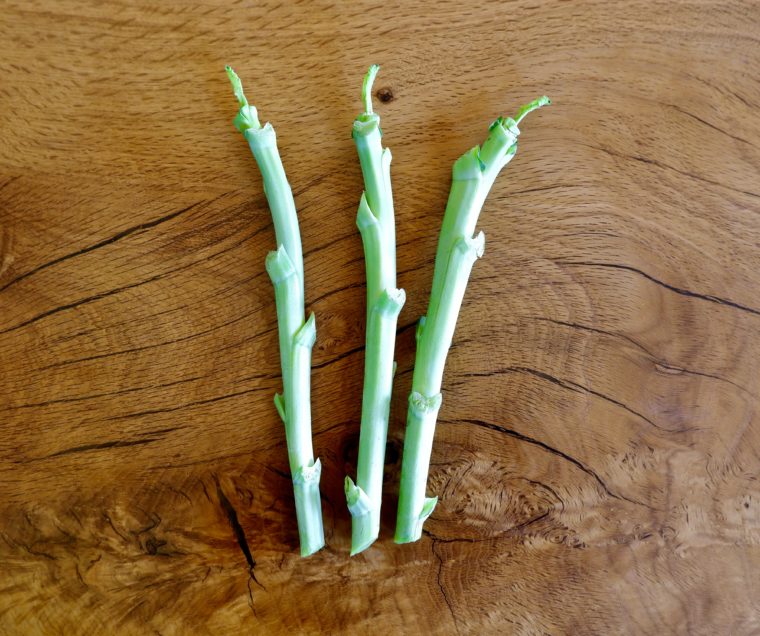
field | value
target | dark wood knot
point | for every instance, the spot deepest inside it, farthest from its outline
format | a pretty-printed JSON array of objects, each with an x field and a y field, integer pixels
[{"x": 385, "y": 95}]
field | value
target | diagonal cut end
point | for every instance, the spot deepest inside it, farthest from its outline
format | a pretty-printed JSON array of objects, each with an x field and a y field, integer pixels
[
  {"x": 279, "y": 266},
  {"x": 357, "y": 500},
  {"x": 390, "y": 302},
  {"x": 307, "y": 333},
  {"x": 279, "y": 404},
  {"x": 308, "y": 474},
  {"x": 365, "y": 217},
  {"x": 423, "y": 404},
  {"x": 427, "y": 508}
]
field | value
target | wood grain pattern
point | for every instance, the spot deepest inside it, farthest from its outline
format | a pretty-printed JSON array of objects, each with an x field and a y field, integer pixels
[{"x": 597, "y": 454}]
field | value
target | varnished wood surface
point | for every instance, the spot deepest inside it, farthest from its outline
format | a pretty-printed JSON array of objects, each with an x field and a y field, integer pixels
[{"x": 597, "y": 454}]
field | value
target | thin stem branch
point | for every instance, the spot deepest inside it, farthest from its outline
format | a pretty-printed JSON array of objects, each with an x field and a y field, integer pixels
[
  {"x": 472, "y": 177},
  {"x": 384, "y": 302},
  {"x": 285, "y": 268}
]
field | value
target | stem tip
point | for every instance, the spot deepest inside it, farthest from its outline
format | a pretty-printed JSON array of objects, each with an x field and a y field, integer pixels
[
  {"x": 369, "y": 79},
  {"x": 534, "y": 105}
]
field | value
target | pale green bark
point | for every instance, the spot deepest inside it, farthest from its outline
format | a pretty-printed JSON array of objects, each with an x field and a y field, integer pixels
[
  {"x": 384, "y": 302},
  {"x": 285, "y": 268},
  {"x": 472, "y": 178}
]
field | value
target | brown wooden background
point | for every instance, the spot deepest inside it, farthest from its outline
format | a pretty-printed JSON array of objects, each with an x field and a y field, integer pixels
[{"x": 597, "y": 454}]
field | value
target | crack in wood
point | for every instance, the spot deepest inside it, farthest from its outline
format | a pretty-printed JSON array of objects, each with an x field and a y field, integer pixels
[
  {"x": 188, "y": 404},
  {"x": 117, "y": 290},
  {"x": 664, "y": 166},
  {"x": 94, "y": 396},
  {"x": 500, "y": 535},
  {"x": 638, "y": 345},
  {"x": 553, "y": 451},
  {"x": 89, "y": 447},
  {"x": 577, "y": 388},
  {"x": 441, "y": 587},
  {"x": 678, "y": 290},
  {"x": 237, "y": 529},
  {"x": 113, "y": 239}
]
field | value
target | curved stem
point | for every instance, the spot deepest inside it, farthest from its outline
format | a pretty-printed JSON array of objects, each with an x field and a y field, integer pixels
[
  {"x": 369, "y": 79},
  {"x": 384, "y": 302},
  {"x": 296, "y": 336},
  {"x": 472, "y": 177}
]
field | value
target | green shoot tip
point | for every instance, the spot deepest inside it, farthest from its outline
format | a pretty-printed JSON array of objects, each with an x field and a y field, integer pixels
[
  {"x": 237, "y": 86},
  {"x": 528, "y": 108},
  {"x": 247, "y": 117},
  {"x": 369, "y": 79}
]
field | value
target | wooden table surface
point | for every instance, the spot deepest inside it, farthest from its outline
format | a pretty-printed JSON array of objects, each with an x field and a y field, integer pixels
[{"x": 597, "y": 454}]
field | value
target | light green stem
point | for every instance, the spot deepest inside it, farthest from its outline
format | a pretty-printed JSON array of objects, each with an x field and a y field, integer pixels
[
  {"x": 384, "y": 302},
  {"x": 472, "y": 177},
  {"x": 285, "y": 268}
]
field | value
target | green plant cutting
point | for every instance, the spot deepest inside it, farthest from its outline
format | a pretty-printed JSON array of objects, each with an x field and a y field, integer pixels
[
  {"x": 297, "y": 335},
  {"x": 384, "y": 302},
  {"x": 473, "y": 175}
]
